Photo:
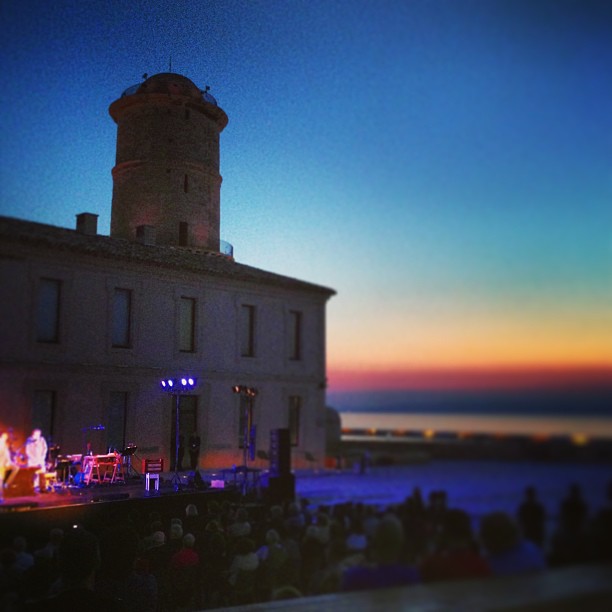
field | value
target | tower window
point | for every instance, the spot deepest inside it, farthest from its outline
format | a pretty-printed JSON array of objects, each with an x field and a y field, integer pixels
[
  {"x": 186, "y": 113},
  {"x": 186, "y": 184},
  {"x": 183, "y": 233}
]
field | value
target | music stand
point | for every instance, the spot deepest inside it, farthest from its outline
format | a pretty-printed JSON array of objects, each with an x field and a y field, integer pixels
[{"x": 126, "y": 456}]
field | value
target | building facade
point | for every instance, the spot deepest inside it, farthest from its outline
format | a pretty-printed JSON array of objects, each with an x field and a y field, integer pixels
[{"x": 94, "y": 322}]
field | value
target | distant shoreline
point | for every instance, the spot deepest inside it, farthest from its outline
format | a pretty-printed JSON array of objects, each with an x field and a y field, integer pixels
[
  {"x": 465, "y": 425},
  {"x": 404, "y": 438}
]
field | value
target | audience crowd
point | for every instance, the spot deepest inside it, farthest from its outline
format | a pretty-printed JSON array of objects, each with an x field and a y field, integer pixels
[{"x": 225, "y": 554}]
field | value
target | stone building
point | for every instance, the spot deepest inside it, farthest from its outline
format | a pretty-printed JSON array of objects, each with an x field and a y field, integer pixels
[{"x": 91, "y": 323}]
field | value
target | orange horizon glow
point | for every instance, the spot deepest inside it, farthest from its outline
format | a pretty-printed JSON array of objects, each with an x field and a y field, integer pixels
[{"x": 510, "y": 377}]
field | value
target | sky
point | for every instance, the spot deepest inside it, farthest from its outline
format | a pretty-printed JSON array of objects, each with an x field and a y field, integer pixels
[{"x": 444, "y": 165}]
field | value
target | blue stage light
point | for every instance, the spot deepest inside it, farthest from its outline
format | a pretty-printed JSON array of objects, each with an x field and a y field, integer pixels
[{"x": 178, "y": 385}]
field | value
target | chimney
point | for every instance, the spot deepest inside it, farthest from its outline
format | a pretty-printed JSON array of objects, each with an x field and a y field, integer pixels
[
  {"x": 146, "y": 234},
  {"x": 87, "y": 223}
]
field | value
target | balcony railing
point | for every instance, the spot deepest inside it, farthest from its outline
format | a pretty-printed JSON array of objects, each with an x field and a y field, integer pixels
[{"x": 225, "y": 248}]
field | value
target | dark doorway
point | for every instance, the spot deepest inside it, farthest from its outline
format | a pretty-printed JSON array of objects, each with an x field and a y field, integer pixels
[{"x": 188, "y": 421}]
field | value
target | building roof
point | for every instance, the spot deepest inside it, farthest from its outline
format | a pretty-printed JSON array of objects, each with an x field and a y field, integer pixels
[
  {"x": 199, "y": 261},
  {"x": 166, "y": 87},
  {"x": 170, "y": 83}
]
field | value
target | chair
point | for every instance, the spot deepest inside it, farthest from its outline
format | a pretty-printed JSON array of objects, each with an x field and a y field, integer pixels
[
  {"x": 152, "y": 468},
  {"x": 151, "y": 477}
]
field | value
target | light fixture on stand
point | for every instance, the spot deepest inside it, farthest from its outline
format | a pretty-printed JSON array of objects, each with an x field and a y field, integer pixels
[
  {"x": 177, "y": 387},
  {"x": 250, "y": 393}
]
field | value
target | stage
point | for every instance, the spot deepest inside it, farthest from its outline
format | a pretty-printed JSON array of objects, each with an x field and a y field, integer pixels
[{"x": 97, "y": 506}]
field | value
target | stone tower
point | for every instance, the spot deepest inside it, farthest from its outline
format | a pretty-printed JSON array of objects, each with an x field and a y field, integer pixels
[{"x": 166, "y": 174}]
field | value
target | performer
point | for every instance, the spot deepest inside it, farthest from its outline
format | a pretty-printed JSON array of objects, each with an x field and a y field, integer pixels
[
  {"x": 194, "y": 449},
  {"x": 6, "y": 462},
  {"x": 36, "y": 452}
]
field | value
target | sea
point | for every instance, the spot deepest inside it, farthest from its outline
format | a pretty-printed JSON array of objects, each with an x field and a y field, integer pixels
[
  {"x": 477, "y": 486},
  {"x": 518, "y": 402},
  {"x": 539, "y": 412}
]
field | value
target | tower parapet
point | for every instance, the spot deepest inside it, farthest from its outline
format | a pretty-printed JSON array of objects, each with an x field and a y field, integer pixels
[{"x": 166, "y": 172}]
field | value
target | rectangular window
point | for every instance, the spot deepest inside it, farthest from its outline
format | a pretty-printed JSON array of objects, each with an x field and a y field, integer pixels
[
  {"x": 48, "y": 310},
  {"x": 43, "y": 412},
  {"x": 187, "y": 313},
  {"x": 116, "y": 421},
  {"x": 183, "y": 233},
  {"x": 295, "y": 406},
  {"x": 122, "y": 315},
  {"x": 186, "y": 184},
  {"x": 295, "y": 329},
  {"x": 247, "y": 330}
]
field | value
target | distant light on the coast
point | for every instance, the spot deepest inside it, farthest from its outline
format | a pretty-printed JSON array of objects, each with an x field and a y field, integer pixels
[
  {"x": 429, "y": 433},
  {"x": 580, "y": 439}
]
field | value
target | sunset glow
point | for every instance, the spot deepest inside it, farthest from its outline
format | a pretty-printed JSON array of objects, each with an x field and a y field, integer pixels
[{"x": 466, "y": 378}]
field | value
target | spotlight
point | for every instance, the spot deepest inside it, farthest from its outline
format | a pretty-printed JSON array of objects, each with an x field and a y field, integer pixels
[{"x": 176, "y": 385}]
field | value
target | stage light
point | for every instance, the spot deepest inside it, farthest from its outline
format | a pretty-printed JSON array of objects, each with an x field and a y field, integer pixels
[
  {"x": 248, "y": 391},
  {"x": 177, "y": 385}
]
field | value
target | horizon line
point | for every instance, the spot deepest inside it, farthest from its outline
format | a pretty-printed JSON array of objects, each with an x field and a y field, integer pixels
[{"x": 460, "y": 378}]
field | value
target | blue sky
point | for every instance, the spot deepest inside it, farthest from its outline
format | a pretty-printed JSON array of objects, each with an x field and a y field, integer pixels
[{"x": 444, "y": 165}]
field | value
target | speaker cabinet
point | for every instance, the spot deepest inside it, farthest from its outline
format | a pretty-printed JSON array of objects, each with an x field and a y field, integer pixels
[{"x": 280, "y": 452}]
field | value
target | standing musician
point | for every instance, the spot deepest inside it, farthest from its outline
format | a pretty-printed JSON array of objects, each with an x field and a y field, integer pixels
[
  {"x": 36, "y": 452},
  {"x": 6, "y": 463}
]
